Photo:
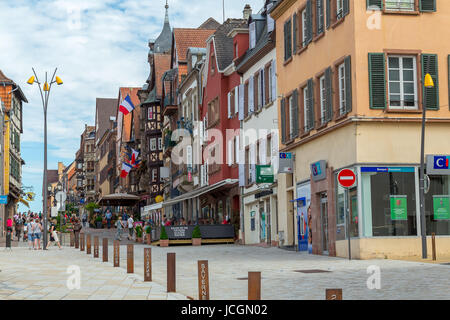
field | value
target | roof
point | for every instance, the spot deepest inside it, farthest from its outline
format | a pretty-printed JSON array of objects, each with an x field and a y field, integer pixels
[
  {"x": 105, "y": 108},
  {"x": 210, "y": 23},
  {"x": 163, "y": 43},
  {"x": 162, "y": 64},
  {"x": 5, "y": 80},
  {"x": 188, "y": 37},
  {"x": 52, "y": 176},
  {"x": 224, "y": 44}
]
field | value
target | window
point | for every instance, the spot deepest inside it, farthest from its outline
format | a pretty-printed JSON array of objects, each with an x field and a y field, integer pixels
[
  {"x": 213, "y": 112},
  {"x": 342, "y": 88},
  {"x": 153, "y": 144},
  {"x": 339, "y": 9},
  {"x": 319, "y": 17},
  {"x": 252, "y": 37},
  {"x": 323, "y": 102},
  {"x": 160, "y": 146},
  {"x": 400, "y": 5},
  {"x": 304, "y": 27},
  {"x": 291, "y": 117},
  {"x": 269, "y": 84},
  {"x": 287, "y": 40},
  {"x": 154, "y": 175},
  {"x": 150, "y": 113},
  {"x": 402, "y": 79},
  {"x": 305, "y": 109}
]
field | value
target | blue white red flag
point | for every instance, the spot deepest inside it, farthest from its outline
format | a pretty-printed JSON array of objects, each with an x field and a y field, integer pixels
[
  {"x": 126, "y": 168},
  {"x": 126, "y": 106}
]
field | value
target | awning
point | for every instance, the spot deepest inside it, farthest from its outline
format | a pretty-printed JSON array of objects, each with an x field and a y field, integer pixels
[
  {"x": 118, "y": 199},
  {"x": 199, "y": 192},
  {"x": 148, "y": 209}
]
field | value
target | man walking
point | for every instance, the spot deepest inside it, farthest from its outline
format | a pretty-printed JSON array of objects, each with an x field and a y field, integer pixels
[
  {"x": 130, "y": 227},
  {"x": 119, "y": 227},
  {"x": 108, "y": 218}
]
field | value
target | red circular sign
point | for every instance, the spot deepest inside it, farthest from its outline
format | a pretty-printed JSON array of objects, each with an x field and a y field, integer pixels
[{"x": 346, "y": 178}]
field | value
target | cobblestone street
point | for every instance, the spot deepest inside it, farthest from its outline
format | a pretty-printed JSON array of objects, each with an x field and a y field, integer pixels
[{"x": 42, "y": 275}]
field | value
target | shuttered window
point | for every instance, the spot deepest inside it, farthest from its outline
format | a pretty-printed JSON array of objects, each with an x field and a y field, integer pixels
[
  {"x": 283, "y": 120},
  {"x": 310, "y": 106},
  {"x": 294, "y": 115},
  {"x": 377, "y": 80},
  {"x": 319, "y": 17},
  {"x": 322, "y": 91},
  {"x": 430, "y": 95},
  {"x": 374, "y": 4},
  {"x": 328, "y": 95},
  {"x": 287, "y": 40},
  {"x": 428, "y": 5},
  {"x": 402, "y": 82},
  {"x": 309, "y": 23},
  {"x": 295, "y": 32},
  {"x": 401, "y": 5}
]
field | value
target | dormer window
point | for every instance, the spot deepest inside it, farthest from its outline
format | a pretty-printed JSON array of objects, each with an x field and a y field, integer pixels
[{"x": 252, "y": 30}]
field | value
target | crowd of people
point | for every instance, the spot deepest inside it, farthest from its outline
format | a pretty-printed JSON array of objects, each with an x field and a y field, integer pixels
[{"x": 28, "y": 227}]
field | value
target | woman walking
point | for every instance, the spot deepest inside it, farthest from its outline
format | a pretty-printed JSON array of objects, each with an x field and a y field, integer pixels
[
  {"x": 119, "y": 226},
  {"x": 53, "y": 235},
  {"x": 30, "y": 233},
  {"x": 37, "y": 234},
  {"x": 76, "y": 231}
]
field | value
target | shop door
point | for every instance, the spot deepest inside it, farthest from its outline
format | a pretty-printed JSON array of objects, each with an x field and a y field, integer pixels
[
  {"x": 262, "y": 223},
  {"x": 324, "y": 221}
]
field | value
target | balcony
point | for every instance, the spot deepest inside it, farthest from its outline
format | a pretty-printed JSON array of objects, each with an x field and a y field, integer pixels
[{"x": 170, "y": 106}]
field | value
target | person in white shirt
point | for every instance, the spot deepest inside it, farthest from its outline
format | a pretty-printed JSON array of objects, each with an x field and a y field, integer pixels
[{"x": 130, "y": 227}]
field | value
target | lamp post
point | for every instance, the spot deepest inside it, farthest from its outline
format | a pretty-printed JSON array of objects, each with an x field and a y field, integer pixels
[
  {"x": 44, "y": 97},
  {"x": 428, "y": 84}
]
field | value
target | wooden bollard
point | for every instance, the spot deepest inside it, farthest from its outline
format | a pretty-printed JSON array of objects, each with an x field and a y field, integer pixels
[
  {"x": 130, "y": 258},
  {"x": 433, "y": 245},
  {"x": 333, "y": 294},
  {"x": 81, "y": 241},
  {"x": 147, "y": 264},
  {"x": 171, "y": 272},
  {"x": 88, "y": 244},
  {"x": 116, "y": 253},
  {"x": 95, "y": 247},
  {"x": 77, "y": 241},
  {"x": 254, "y": 286},
  {"x": 72, "y": 240},
  {"x": 105, "y": 249},
  {"x": 203, "y": 280}
]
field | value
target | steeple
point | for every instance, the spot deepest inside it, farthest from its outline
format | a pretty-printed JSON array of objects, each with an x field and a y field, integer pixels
[{"x": 163, "y": 43}]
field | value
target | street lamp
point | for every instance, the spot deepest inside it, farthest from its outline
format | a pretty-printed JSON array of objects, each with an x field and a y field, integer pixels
[
  {"x": 44, "y": 97},
  {"x": 428, "y": 84}
]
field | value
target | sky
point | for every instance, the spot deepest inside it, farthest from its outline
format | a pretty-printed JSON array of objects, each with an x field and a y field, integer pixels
[{"x": 97, "y": 47}]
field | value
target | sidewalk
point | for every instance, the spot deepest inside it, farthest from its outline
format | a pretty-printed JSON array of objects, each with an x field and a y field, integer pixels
[{"x": 42, "y": 275}]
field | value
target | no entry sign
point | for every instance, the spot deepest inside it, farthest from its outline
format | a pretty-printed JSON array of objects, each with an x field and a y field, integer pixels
[{"x": 346, "y": 178}]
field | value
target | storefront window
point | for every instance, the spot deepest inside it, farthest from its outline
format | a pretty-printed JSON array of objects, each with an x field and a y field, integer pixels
[
  {"x": 389, "y": 202},
  {"x": 219, "y": 218},
  {"x": 437, "y": 206},
  {"x": 346, "y": 200}
]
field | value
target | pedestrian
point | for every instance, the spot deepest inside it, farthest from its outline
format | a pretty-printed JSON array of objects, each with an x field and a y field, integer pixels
[
  {"x": 30, "y": 233},
  {"x": 119, "y": 226},
  {"x": 9, "y": 225},
  {"x": 108, "y": 218},
  {"x": 76, "y": 230},
  {"x": 130, "y": 227},
  {"x": 37, "y": 234},
  {"x": 84, "y": 219},
  {"x": 18, "y": 227},
  {"x": 53, "y": 235}
]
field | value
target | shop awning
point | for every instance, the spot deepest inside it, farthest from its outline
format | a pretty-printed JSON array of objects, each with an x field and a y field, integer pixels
[
  {"x": 148, "y": 209},
  {"x": 199, "y": 192},
  {"x": 118, "y": 199}
]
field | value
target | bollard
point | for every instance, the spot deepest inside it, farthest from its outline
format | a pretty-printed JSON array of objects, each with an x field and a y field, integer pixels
[
  {"x": 95, "y": 247},
  {"x": 203, "y": 280},
  {"x": 116, "y": 253},
  {"x": 77, "y": 241},
  {"x": 147, "y": 264},
  {"x": 81, "y": 241},
  {"x": 130, "y": 258},
  {"x": 105, "y": 249},
  {"x": 254, "y": 286},
  {"x": 72, "y": 240},
  {"x": 433, "y": 245},
  {"x": 171, "y": 272},
  {"x": 333, "y": 294},
  {"x": 88, "y": 244}
]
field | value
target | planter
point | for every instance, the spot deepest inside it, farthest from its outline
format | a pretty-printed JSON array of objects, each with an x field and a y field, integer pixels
[
  {"x": 138, "y": 240},
  {"x": 99, "y": 224},
  {"x": 196, "y": 241},
  {"x": 163, "y": 243}
]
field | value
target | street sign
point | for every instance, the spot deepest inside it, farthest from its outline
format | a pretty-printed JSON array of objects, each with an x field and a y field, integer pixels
[
  {"x": 346, "y": 178},
  {"x": 264, "y": 174},
  {"x": 285, "y": 162},
  {"x": 3, "y": 199}
]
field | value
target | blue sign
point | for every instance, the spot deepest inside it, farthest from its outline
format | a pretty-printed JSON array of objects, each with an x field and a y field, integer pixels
[
  {"x": 387, "y": 169},
  {"x": 302, "y": 224},
  {"x": 285, "y": 155},
  {"x": 3, "y": 199},
  {"x": 318, "y": 170},
  {"x": 440, "y": 162},
  {"x": 82, "y": 201}
]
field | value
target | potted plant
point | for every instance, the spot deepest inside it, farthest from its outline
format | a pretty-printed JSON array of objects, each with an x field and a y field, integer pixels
[
  {"x": 138, "y": 233},
  {"x": 148, "y": 231},
  {"x": 98, "y": 222},
  {"x": 163, "y": 238},
  {"x": 196, "y": 236}
]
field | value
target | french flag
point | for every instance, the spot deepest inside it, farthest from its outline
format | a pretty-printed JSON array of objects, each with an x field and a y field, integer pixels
[
  {"x": 134, "y": 156},
  {"x": 126, "y": 168},
  {"x": 126, "y": 106}
]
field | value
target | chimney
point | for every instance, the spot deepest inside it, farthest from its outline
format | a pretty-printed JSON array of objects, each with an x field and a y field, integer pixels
[{"x": 247, "y": 11}]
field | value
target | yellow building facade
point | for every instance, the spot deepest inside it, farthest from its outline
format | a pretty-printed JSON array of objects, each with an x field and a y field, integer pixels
[{"x": 350, "y": 78}]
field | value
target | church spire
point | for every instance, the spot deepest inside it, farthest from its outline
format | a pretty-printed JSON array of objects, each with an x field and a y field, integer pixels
[
  {"x": 163, "y": 43},
  {"x": 166, "y": 20}
]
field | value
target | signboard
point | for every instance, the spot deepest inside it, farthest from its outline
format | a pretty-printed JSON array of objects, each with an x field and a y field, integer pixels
[
  {"x": 399, "y": 208},
  {"x": 286, "y": 163},
  {"x": 438, "y": 164},
  {"x": 304, "y": 192},
  {"x": 441, "y": 206},
  {"x": 264, "y": 174},
  {"x": 302, "y": 224},
  {"x": 220, "y": 231},
  {"x": 346, "y": 178},
  {"x": 3, "y": 199},
  {"x": 388, "y": 169},
  {"x": 318, "y": 170}
]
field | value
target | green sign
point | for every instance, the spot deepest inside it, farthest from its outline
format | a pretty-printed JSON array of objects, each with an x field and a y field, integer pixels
[
  {"x": 399, "y": 209},
  {"x": 441, "y": 206},
  {"x": 264, "y": 174}
]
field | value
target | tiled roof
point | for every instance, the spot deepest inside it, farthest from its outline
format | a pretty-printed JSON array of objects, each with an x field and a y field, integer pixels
[
  {"x": 211, "y": 23},
  {"x": 52, "y": 176},
  {"x": 162, "y": 64},
  {"x": 224, "y": 44},
  {"x": 105, "y": 108},
  {"x": 186, "y": 38},
  {"x": 4, "y": 78}
]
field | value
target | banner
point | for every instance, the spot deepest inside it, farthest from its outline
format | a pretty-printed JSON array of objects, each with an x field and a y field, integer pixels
[
  {"x": 399, "y": 208},
  {"x": 441, "y": 206}
]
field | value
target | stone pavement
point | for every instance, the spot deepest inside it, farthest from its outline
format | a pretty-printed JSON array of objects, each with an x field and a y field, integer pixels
[{"x": 36, "y": 274}]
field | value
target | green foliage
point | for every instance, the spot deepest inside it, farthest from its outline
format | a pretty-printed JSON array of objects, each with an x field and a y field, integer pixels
[
  {"x": 91, "y": 206},
  {"x": 139, "y": 231},
  {"x": 196, "y": 234},
  {"x": 163, "y": 235},
  {"x": 98, "y": 219},
  {"x": 148, "y": 229}
]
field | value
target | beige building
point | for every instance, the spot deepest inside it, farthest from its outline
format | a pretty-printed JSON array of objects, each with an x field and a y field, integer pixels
[{"x": 351, "y": 80}]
